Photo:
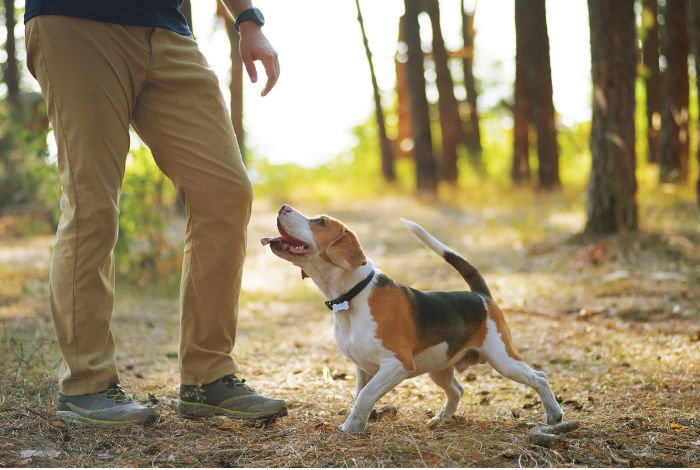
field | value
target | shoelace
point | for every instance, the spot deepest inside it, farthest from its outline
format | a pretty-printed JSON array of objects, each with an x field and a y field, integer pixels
[
  {"x": 114, "y": 392},
  {"x": 233, "y": 381}
]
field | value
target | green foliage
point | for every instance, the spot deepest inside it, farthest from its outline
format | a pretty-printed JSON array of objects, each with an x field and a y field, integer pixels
[
  {"x": 25, "y": 177},
  {"x": 146, "y": 250},
  {"x": 352, "y": 174}
]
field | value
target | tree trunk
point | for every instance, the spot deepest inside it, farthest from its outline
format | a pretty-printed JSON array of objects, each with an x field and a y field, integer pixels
[
  {"x": 612, "y": 186},
  {"x": 532, "y": 55},
  {"x": 450, "y": 123},
  {"x": 10, "y": 68},
  {"x": 674, "y": 95},
  {"x": 426, "y": 175},
  {"x": 186, "y": 9},
  {"x": 403, "y": 103},
  {"x": 236, "y": 83},
  {"x": 652, "y": 77},
  {"x": 520, "y": 171},
  {"x": 694, "y": 28},
  {"x": 473, "y": 130},
  {"x": 385, "y": 146}
]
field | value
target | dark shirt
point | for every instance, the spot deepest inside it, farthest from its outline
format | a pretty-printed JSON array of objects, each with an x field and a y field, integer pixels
[{"x": 155, "y": 13}]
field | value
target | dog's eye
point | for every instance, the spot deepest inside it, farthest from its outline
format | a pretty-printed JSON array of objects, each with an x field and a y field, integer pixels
[{"x": 321, "y": 222}]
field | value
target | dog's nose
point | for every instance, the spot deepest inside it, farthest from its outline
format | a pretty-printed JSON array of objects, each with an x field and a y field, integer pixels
[{"x": 285, "y": 209}]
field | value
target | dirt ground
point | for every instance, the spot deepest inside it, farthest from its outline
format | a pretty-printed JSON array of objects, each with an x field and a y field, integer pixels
[{"x": 613, "y": 321}]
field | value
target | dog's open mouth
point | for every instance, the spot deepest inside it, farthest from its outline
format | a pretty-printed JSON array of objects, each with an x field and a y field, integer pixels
[{"x": 286, "y": 242}]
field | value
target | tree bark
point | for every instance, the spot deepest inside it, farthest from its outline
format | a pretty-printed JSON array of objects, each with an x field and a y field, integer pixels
[
  {"x": 520, "y": 171},
  {"x": 533, "y": 95},
  {"x": 426, "y": 175},
  {"x": 10, "y": 68},
  {"x": 186, "y": 9},
  {"x": 694, "y": 28},
  {"x": 450, "y": 123},
  {"x": 532, "y": 50},
  {"x": 473, "y": 130},
  {"x": 612, "y": 186},
  {"x": 387, "y": 153},
  {"x": 652, "y": 77},
  {"x": 674, "y": 95},
  {"x": 403, "y": 103},
  {"x": 236, "y": 83}
]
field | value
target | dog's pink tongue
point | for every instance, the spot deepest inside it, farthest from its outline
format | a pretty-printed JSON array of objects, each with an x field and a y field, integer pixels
[{"x": 268, "y": 240}]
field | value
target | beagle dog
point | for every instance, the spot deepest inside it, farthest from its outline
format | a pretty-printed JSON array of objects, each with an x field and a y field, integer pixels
[{"x": 393, "y": 332}]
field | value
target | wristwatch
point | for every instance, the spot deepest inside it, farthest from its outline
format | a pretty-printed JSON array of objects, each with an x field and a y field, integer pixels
[{"x": 251, "y": 14}]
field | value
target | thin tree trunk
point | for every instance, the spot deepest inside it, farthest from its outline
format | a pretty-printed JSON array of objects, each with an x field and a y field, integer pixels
[
  {"x": 11, "y": 69},
  {"x": 531, "y": 27},
  {"x": 520, "y": 171},
  {"x": 542, "y": 104},
  {"x": 694, "y": 28},
  {"x": 652, "y": 77},
  {"x": 426, "y": 175},
  {"x": 674, "y": 94},
  {"x": 236, "y": 83},
  {"x": 612, "y": 185},
  {"x": 403, "y": 102},
  {"x": 386, "y": 150},
  {"x": 450, "y": 123},
  {"x": 473, "y": 130},
  {"x": 186, "y": 9}
]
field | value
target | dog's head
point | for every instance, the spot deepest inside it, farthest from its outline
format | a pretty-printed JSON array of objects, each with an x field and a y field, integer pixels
[{"x": 317, "y": 245}]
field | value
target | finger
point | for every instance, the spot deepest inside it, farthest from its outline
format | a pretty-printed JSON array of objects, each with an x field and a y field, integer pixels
[
  {"x": 250, "y": 68},
  {"x": 271, "y": 72}
]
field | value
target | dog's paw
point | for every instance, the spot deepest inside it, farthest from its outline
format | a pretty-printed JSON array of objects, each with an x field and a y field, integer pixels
[
  {"x": 352, "y": 426},
  {"x": 555, "y": 417},
  {"x": 435, "y": 421}
]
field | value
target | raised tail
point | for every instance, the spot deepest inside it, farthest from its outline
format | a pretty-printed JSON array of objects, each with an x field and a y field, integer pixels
[{"x": 469, "y": 273}]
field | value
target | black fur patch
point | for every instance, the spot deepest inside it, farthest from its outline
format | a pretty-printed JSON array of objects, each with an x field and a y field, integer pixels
[{"x": 452, "y": 316}]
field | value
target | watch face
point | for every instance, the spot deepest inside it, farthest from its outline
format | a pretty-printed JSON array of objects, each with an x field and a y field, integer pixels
[
  {"x": 259, "y": 18},
  {"x": 251, "y": 14}
]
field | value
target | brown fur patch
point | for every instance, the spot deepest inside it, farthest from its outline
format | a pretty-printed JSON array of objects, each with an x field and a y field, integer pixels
[
  {"x": 502, "y": 327},
  {"x": 336, "y": 243},
  {"x": 396, "y": 328}
]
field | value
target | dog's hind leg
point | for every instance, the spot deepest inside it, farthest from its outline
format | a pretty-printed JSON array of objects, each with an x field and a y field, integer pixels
[
  {"x": 502, "y": 358},
  {"x": 361, "y": 379},
  {"x": 453, "y": 393}
]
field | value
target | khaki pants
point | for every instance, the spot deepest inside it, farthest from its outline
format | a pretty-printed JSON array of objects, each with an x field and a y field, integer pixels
[{"x": 97, "y": 79}]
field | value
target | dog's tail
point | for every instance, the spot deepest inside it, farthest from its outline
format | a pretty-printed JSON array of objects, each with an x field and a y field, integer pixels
[{"x": 468, "y": 272}]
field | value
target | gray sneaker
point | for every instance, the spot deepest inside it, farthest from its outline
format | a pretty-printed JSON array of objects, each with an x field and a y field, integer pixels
[
  {"x": 229, "y": 396},
  {"x": 111, "y": 407}
]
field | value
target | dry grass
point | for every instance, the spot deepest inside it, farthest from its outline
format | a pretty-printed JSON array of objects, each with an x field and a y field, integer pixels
[{"x": 613, "y": 322}]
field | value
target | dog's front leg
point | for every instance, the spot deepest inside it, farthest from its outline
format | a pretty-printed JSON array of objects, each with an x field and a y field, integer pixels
[{"x": 390, "y": 374}]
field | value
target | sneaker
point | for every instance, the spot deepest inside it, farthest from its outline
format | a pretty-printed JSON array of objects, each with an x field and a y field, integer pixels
[
  {"x": 229, "y": 396},
  {"x": 111, "y": 407}
]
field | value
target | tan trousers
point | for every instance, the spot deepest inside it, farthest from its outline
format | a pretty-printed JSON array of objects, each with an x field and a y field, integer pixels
[{"x": 97, "y": 79}]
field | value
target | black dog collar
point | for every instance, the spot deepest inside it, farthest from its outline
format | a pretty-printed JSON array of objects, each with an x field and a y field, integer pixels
[{"x": 351, "y": 294}]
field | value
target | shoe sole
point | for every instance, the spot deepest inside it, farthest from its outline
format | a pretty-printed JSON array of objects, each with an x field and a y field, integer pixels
[
  {"x": 72, "y": 416},
  {"x": 202, "y": 410}
]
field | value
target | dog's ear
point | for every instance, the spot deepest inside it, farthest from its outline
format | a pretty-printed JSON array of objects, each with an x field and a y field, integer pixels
[
  {"x": 346, "y": 251},
  {"x": 303, "y": 275}
]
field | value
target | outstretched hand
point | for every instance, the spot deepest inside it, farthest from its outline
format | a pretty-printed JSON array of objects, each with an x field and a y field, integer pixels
[{"x": 255, "y": 46}]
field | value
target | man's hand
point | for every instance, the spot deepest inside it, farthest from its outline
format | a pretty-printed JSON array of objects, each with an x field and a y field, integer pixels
[{"x": 255, "y": 46}]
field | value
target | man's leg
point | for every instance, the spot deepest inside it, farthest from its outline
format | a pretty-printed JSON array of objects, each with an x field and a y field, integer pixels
[
  {"x": 88, "y": 79},
  {"x": 182, "y": 117}
]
